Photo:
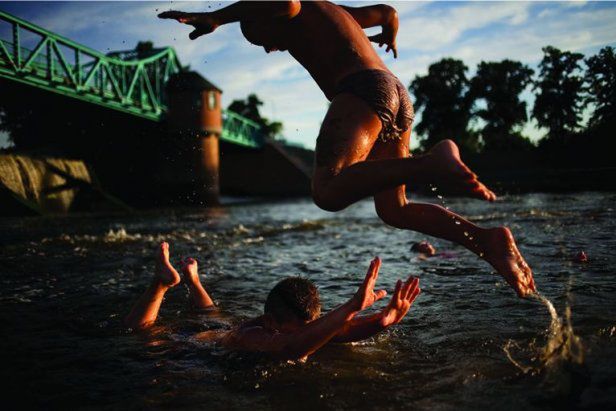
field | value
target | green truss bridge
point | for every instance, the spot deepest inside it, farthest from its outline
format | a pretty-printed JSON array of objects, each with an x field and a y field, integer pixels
[{"x": 130, "y": 82}]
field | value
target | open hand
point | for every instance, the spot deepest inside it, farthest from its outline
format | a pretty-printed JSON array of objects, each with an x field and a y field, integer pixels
[
  {"x": 365, "y": 295},
  {"x": 404, "y": 295},
  {"x": 203, "y": 23}
]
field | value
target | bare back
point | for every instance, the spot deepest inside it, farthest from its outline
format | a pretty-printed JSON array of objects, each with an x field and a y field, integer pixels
[{"x": 324, "y": 38}]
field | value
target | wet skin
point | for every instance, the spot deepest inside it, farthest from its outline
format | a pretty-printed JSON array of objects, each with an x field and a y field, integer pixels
[
  {"x": 293, "y": 339},
  {"x": 329, "y": 42}
]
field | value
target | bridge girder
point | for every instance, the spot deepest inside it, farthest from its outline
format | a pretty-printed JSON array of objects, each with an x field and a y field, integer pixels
[{"x": 135, "y": 86}]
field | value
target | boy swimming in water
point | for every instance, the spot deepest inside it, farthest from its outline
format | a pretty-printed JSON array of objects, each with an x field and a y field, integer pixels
[
  {"x": 363, "y": 147},
  {"x": 292, "y": 326}
]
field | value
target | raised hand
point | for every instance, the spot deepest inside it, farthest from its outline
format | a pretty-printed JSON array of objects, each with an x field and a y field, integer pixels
[
  {"x": 404, "y": 295},
  {"x": 365, "y": 295},
  {"x": 386, "y": 38},
  {"x": 204, "y": 23}
]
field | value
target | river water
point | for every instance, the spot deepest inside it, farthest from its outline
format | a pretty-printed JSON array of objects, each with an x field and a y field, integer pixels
[{"x": 66, "y": 283}]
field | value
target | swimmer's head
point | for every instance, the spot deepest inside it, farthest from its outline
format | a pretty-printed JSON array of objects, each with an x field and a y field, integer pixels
[{"x": 292, "y": 303}]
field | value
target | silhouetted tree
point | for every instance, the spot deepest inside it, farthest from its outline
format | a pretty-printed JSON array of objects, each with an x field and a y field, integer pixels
[
  {"x": 143, "y": 48},
  {"x": 601, "y": 80},
  {"x": 249, "y": 108},
  {"x": 560, "y": 84},
  {"x": 441, "y": 98},
  {"x": 499, "y": 85}
]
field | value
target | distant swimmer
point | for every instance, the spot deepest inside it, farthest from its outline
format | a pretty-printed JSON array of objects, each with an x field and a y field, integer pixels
[
  {"x": 291, "y": 326},
  {"x": 581, "y": 257},
  {"x": 424, "y": 248},
  {"x": 363, "y": 147}
]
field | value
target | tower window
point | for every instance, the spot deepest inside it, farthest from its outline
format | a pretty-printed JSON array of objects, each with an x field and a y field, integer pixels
[{"x": 211, "y": 100}]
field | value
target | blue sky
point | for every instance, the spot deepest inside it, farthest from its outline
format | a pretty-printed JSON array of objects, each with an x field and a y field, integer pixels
[{"x": 471, "y": 31}]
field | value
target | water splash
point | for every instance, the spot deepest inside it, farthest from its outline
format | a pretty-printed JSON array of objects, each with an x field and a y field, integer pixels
[{"x": 562, "y": 345}]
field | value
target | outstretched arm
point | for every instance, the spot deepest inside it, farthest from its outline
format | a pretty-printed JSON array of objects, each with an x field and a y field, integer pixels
[
  {"x": 313, "y": 335},
  {"x": 378, "y": 15},
  {"x": 205, "y": 23},
  {"x": 361, "y": 328}
]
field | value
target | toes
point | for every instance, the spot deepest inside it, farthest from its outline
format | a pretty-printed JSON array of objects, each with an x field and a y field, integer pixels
[{"x": 164, "y": 251}]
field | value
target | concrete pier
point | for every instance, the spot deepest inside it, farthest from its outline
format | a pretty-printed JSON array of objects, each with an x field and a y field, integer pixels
[{"x": 40, "y": 185}]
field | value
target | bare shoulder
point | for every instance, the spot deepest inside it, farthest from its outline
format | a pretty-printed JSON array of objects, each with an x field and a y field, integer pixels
[{"x": 249, "y": 338}]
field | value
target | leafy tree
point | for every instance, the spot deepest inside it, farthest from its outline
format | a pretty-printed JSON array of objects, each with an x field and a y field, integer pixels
[
  {"x": 441, "y": 98},
  {"x": 601, "y": 80},
  {"x": 249, "y": 108},
  {"x": 499, "y": 85},
  {"x": 559, "y": 102},
  {"x": 144, "y": 47}
]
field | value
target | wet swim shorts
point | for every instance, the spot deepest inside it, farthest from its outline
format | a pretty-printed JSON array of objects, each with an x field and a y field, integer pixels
[{"x": 386, "y": 95}]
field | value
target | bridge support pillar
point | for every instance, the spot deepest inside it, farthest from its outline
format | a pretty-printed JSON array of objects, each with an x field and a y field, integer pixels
[
  {"x": 194, "y": 111},
  {"x": 209, "y": 167}
]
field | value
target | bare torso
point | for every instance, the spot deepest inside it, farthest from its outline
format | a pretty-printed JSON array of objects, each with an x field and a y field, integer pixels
[{"x": 323, "y": 38}]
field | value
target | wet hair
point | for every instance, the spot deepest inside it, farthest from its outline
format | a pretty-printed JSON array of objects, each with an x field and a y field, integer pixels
[{"x": 293, "y": 298}]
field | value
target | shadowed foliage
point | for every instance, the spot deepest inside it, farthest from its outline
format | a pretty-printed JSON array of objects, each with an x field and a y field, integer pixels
[
  {"x": 441, "y": 97},
  {"x": 560, "y": 85},
  {"x": 601, "y": 80},
  {"x": 249, "y": 108},
  {"x": 498, "y": 86}
]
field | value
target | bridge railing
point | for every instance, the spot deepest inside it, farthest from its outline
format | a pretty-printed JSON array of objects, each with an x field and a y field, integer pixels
[
  {"x": 125, "y": 81},
  {"x": 239, "y": 130},
  {"x": 61, "y": 65}
]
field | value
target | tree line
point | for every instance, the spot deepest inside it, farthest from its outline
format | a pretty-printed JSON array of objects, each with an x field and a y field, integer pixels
[{"x": 486, "y": 112}]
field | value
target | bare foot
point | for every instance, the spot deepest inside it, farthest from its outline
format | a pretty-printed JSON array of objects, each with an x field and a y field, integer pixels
[
  {"x": 164, "y": 270},
  {"x": 499, "y": 249},
  {"x": 190, "y": 269},
  {"x": 453, "y": 176}
]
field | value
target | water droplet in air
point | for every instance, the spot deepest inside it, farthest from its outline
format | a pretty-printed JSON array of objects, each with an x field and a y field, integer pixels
[
  {"x": 466, "y": 234},
  {"x": 458, "y": 222}
]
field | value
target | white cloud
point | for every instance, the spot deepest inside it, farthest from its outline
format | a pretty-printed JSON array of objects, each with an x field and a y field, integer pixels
[{"x": 439, "y": 26}]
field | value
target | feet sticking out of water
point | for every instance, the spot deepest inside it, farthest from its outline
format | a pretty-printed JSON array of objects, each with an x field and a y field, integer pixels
[
  {"x": 499, "y": 249},
  {"x": 190, "y": 271},
  {"x": 164, "y": 270},
  {"x": 451, "y": 175}
]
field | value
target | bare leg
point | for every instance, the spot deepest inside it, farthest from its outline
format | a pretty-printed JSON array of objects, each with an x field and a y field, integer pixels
[
  {"x": 145, "y": 310},
  {"x": 495, "y": 245},
  {"x": 352, "y": 163},
  {"x": 343, "y": 176},
  {"x": 199, "y": 298}
]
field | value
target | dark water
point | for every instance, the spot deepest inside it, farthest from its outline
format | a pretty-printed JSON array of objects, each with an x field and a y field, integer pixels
[{"x": 66, "y": 283}]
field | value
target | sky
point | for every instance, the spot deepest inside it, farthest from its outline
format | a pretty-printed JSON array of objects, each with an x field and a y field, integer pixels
[{"x": 470, "y": 31}]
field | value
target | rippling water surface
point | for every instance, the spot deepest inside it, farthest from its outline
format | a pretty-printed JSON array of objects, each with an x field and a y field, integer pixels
[{"x": 66, "y": 283}]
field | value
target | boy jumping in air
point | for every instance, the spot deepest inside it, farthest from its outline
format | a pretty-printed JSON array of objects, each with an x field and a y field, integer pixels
[{"x": 363, "y": 146}]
